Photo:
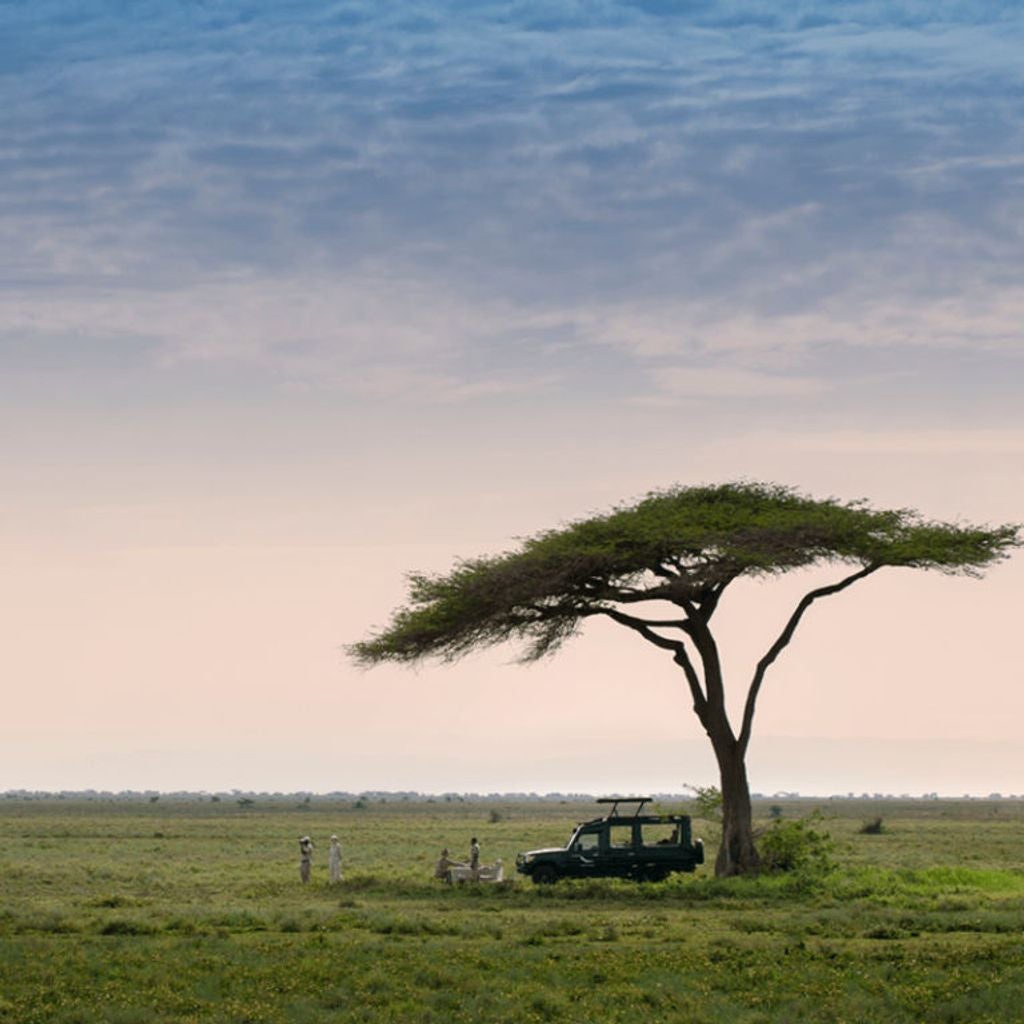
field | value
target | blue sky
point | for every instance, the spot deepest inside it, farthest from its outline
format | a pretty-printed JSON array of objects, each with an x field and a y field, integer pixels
[{"x": 385, "y": 284}]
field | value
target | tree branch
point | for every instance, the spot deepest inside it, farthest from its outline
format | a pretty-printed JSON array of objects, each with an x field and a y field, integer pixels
[
  {"x": 659, "y": 569},
  {"x": 713, "y": 594},
  {"x": 783, "y": 640},
  {"x": 643, "y": 627},
  {"x": 680, "y": 655},
  {"x": 629, "y": 595},
  {"x": 704, "y": 641},
  {"x": 700, "y": 700}
]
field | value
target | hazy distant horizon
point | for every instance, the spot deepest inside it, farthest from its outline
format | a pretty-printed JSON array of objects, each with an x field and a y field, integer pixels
[{"x": 892, "y": 767}]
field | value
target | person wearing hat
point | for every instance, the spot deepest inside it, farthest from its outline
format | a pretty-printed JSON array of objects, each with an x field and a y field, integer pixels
[{"x": 305, "y": 858}]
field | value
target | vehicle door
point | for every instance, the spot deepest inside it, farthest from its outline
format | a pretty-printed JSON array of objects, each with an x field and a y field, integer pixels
[
  {"x": 585, "y": 853},
  {"x": 620, "y": 857}
]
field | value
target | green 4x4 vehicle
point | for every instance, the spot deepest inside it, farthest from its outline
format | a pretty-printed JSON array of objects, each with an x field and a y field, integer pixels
[{"x": 647, "y": 847}]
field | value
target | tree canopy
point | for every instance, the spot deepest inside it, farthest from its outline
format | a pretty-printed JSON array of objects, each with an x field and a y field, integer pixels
[{"x": 684, "y": 545}]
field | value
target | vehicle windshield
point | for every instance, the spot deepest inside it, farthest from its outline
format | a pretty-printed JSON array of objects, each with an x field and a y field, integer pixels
[{"x": 586, "y": 842}]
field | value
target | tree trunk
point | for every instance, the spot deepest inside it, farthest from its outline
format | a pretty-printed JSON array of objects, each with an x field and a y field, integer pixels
[{"x": 737, "y": 854}]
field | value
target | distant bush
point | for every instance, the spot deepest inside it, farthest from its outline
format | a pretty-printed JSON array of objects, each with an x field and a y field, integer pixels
[
  {"x": 708, "y": 800},
  {"x": 113, "y": 901},
  {"x": 494, "y": 817},
  {"x": 122, "y": 926},
  {"x": 796, "y": 846},
  {"x": 872, "y": 828}
]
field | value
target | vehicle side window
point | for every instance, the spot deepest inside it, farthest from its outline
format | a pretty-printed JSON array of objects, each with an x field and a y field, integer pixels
[
  {"x": 589, "y": 842},
  {"x": 659, "y": 834},
  {"x": 620, "y": 836}
]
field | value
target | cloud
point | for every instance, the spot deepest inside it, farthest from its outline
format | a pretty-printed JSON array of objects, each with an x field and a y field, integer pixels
[
  {"x": 633, "y": 147},
  {"x": 390, "y": 339},
  {"x": 716, "y": 383},
  {"x": 341, "y": 193},
  {"x": 393, "y": 338}
]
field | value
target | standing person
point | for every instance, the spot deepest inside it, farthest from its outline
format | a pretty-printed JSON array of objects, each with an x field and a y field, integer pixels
[
  {"x": 474, "y": 858},
  {"x": 305, "y": 858},
  {"x": 334, "y": 860}
]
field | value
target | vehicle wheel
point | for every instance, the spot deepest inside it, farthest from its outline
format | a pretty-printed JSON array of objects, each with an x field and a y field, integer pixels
[
  {"x": 652, "y": 874},
  {"x": 545, "y": 874}
]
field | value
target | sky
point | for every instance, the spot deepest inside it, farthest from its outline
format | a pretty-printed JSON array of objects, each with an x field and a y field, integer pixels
[{"x": 299, "y": 296}]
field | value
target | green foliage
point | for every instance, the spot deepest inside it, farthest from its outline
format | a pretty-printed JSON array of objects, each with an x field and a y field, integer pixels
[
  {"x": 796, "y": 845},
  {"x": 707, "y": 801},
  {"x": 681, "y": 544}
]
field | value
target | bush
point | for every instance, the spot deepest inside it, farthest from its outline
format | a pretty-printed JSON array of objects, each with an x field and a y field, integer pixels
[
  {"x": 708, "y": 800},
  {"x": 872, "y": 828},
  {"x": 124, "y": 926},
  {"x": 796, "y": 846}
]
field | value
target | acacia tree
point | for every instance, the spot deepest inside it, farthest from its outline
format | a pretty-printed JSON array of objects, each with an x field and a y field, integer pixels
[{"x": 678, "y": 549}]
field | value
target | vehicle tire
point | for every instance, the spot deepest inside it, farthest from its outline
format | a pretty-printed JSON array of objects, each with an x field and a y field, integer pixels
[
  {"x": 652, "y": 874},
  {"x": 545, "y": 874}
]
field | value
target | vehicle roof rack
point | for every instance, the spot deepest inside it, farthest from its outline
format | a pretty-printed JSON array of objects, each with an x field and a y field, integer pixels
[{"x": 616, "y": 800}]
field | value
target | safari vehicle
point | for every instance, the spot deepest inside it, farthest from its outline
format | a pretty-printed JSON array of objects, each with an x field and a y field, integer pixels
[{"x": 646, "y": 847}]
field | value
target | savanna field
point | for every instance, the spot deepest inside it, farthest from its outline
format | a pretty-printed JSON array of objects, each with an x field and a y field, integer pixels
[{"x": 192, "y": 910}]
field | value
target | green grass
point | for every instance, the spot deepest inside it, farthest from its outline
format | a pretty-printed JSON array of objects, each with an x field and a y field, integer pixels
[{"x": 136, "y": 912}]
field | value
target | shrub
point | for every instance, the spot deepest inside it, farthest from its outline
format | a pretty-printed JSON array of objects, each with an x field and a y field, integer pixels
[
  {"x": 872, "y": 828},
  {"x": 796, "y": 846},
  {"x": 708, "y": 800},
  {"x": 124, "y": 926}
]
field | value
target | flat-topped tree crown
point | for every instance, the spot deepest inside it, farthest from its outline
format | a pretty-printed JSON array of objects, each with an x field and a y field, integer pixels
[{"x": 682, "y": 547}]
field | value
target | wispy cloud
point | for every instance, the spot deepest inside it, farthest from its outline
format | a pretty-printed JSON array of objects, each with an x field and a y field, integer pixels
[
  {"x": 717, "y": 383},
  {"x": 324, "y": 183}
]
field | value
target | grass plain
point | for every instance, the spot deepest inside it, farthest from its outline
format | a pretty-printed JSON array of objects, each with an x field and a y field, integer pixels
[{"x": 190, "y": 910}]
